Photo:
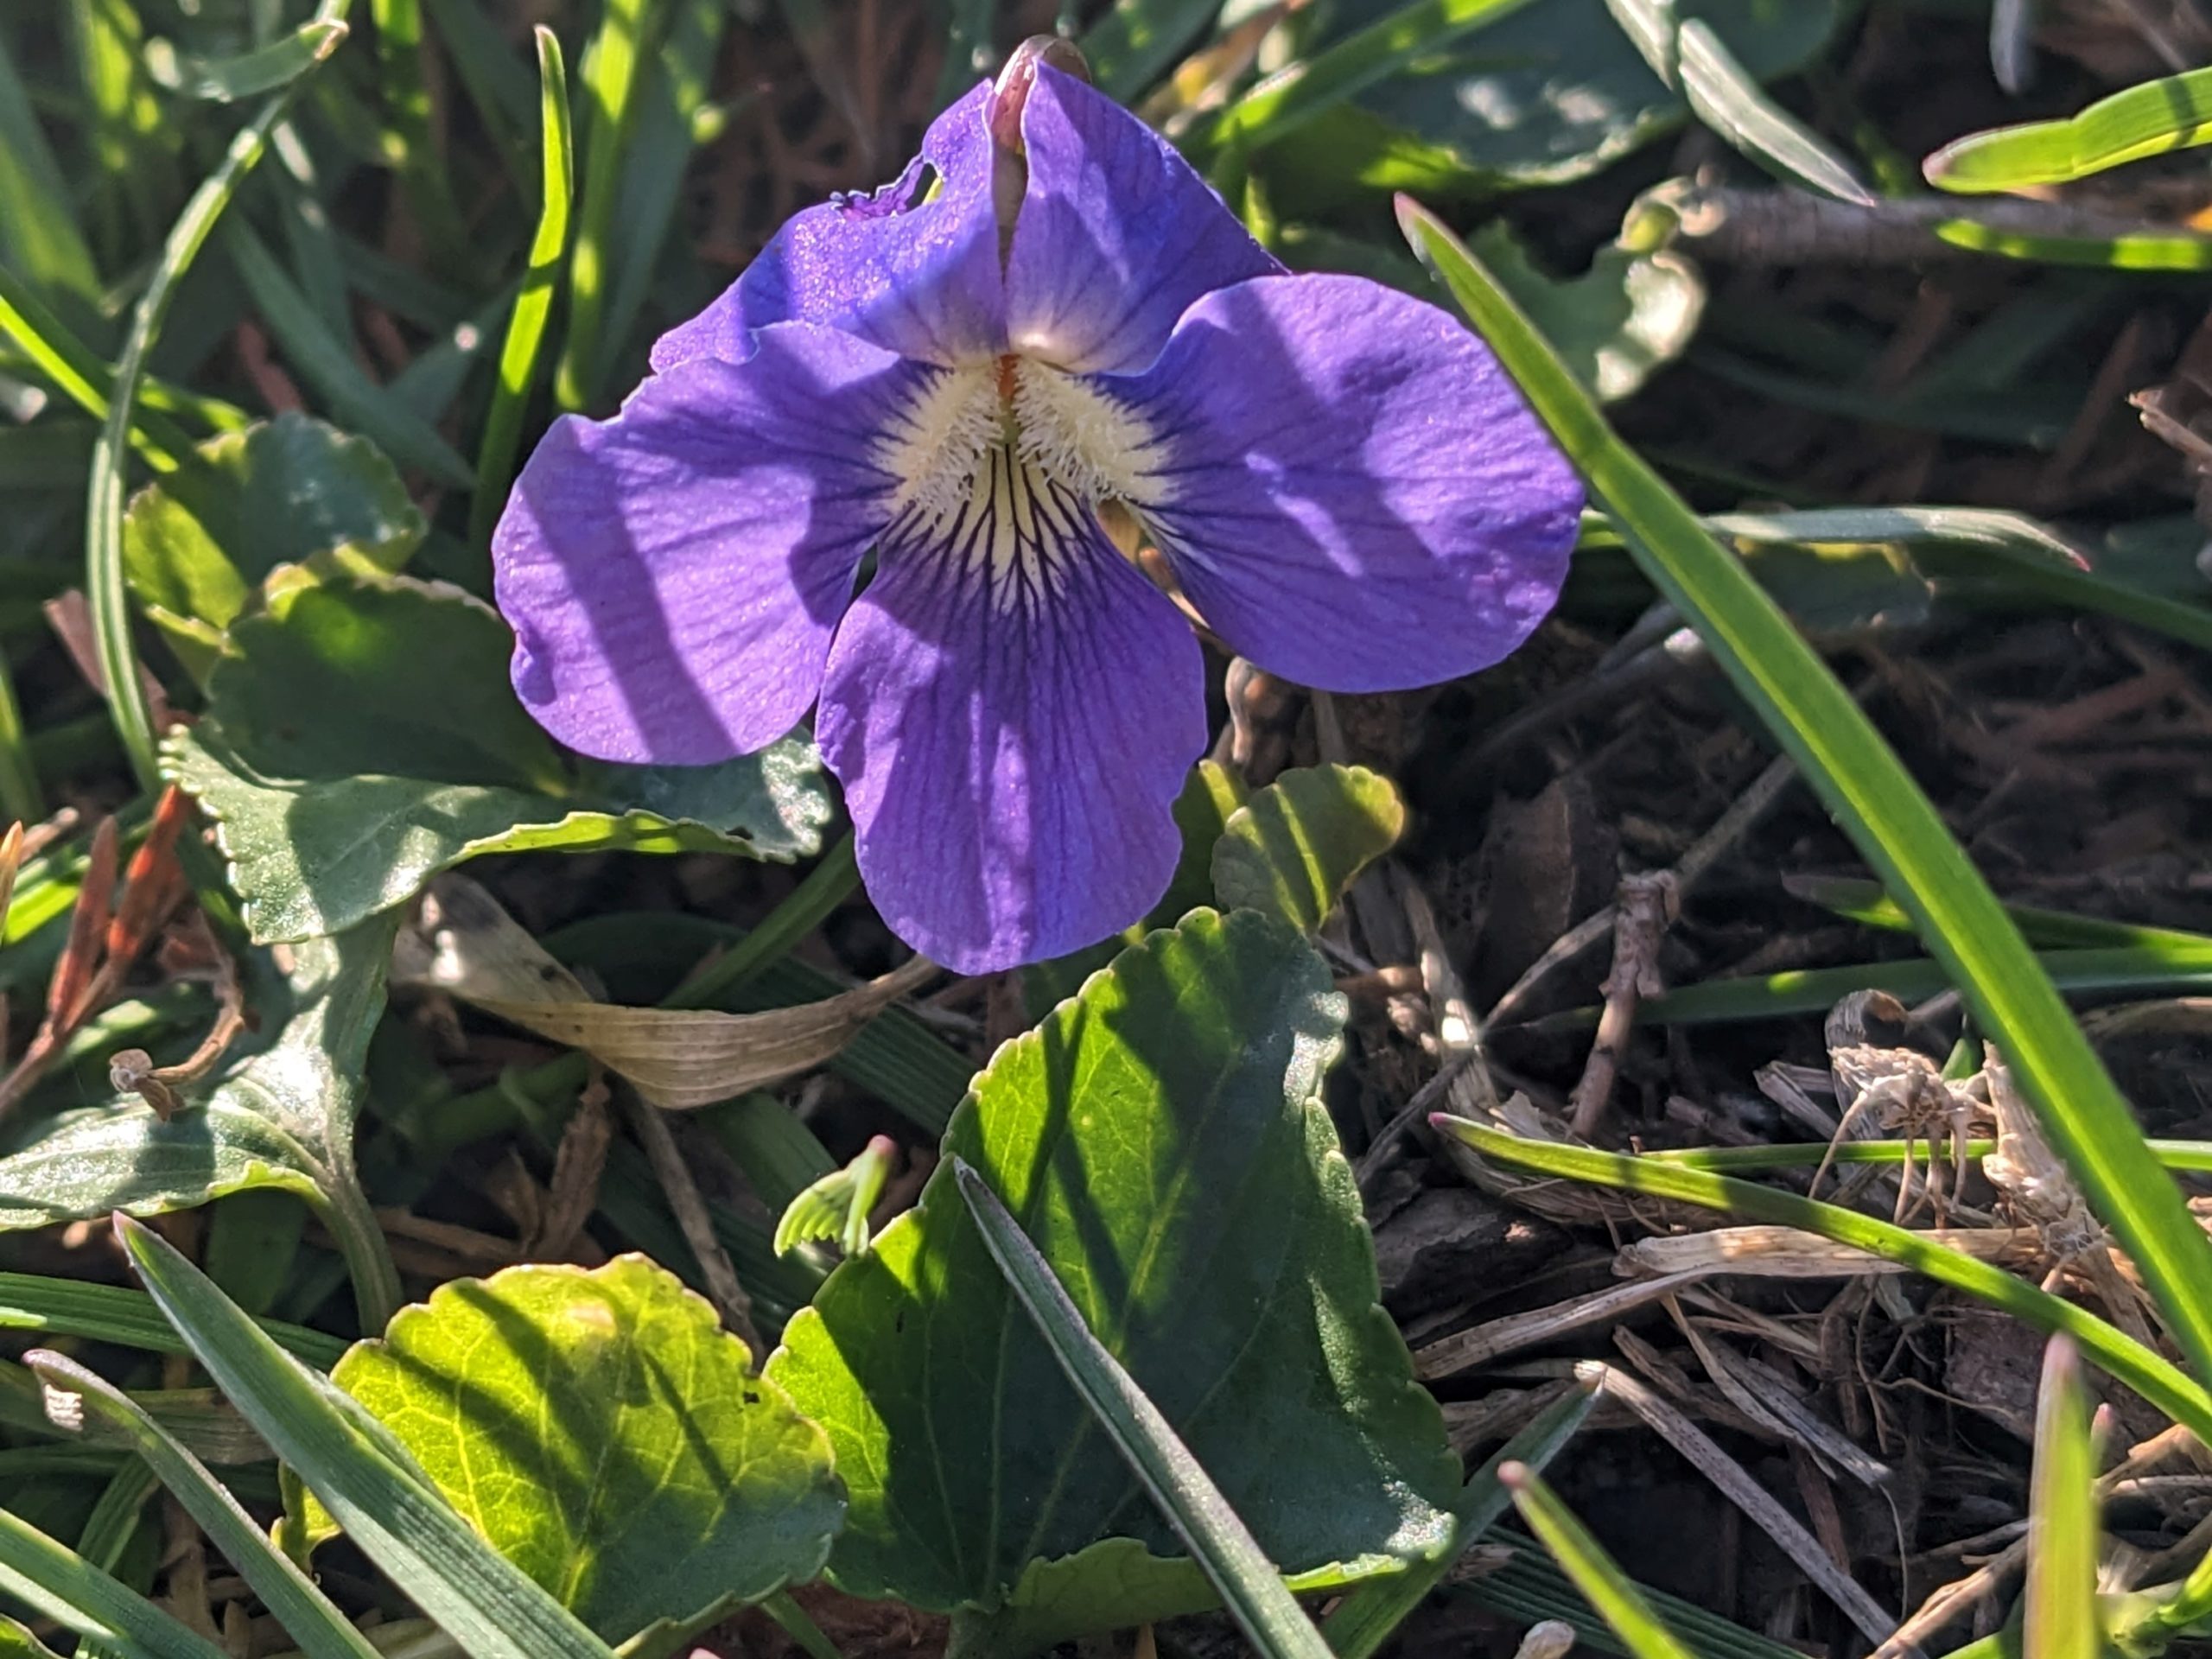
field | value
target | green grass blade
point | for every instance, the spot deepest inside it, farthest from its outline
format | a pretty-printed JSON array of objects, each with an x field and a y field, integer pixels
[
  {"x": 486, "y": 1603},
  {"x": 2153, "y": 248},
  {"x": 610, "y": 77},
  {"x": 1814, "y": 990},
  {"x": 72, "y": 1307},
  {"x": 1874, "y": 799},
  {"x": 325, "y": 363},
  {"x": 105, "y": 589},
  {"x": 1689, "y": 57},
  {"x": 407, "y": 137},
  {"x": 1865, "y": 902},
  {"x": 1371, "y": 1612},
  {"x": 225, "y": 80},
  {"x": 1730, "y": 103},
  {"x": 60, "y": 1584},
  {"x": 63, "y": 359},
  {"x": 2158, "y": 115},
  {"x": 1603, "y": 1585},
  {"x": 2063, "y": 1538},
  {"x": 1248, "y": 1583},
  {"x": 2151, "y": 1374},
  {"x": 307, "y": 1615},
  {"x": 1282, "y": 103},
  {"x": 22, "y": 800},
  {"x": 495, "y": 458},
  {"x": 38, "y": 223}
]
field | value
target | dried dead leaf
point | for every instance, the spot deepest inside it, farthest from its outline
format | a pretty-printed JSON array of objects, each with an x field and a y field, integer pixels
[{"x": 466, "y": 945}]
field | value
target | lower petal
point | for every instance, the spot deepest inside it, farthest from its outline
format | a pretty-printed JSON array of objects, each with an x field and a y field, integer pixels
[
  {"x": 674, "y": 575},
  {"x": 1012, "y": 710},
  {"x": 1350, "y": 488}
]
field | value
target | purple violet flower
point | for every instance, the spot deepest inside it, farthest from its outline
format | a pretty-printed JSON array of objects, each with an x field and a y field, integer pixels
[{"x": 955, "y": 374}]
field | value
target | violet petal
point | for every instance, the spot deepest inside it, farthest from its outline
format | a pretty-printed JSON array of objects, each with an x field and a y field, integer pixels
[
  {"x": 674, "y": 575},
  {"x": 1350, "y": 490},
  {"x": 1011, "y": 727}
]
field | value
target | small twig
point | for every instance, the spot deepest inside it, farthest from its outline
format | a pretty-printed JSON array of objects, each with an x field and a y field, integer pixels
[
  {"x": 1645, "y": 908},
  {"x": 132, "y": 1070},
  {"x": 1794, "y": 227},
  {"x": 1729, "y": 828},
  {"x": 723, "y": 1288},
  {"x": 1464, "y": 1350}
]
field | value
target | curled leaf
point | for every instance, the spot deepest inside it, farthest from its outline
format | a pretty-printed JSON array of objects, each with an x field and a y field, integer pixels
[{"x": 468, "y": 947}]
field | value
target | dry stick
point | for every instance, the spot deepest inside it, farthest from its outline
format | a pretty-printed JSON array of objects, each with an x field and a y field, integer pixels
[
  {"x": 1753, "y": 1499},
  {"x": 1729, "y": 828},
  {"x": 1464, "y": 1350},
  {"x": 132, "y": 1070},
  {"x": 1791, "y": 227},
  {"x": 1643, "y": 910},
  {"x": 683, "y": 1198}
]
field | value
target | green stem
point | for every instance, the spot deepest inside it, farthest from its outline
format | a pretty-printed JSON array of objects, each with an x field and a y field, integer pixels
[{"x": 827, "y": 886}]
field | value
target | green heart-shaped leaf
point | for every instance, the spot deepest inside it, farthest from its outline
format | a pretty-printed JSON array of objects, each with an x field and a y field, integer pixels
[
  {"x": 1159, "y": 1139},
  {"x": 198, "y": 546},
  {"x": 605, "y": 1435},
  {"x": 1293, "y": 848}
]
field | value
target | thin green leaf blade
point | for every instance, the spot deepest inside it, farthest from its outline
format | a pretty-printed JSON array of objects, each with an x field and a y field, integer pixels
[
  {"x": 305, "y": 1613},
  {"x": 1595, "y": 1573},
  {"x": 2062, "y": 1537},
  {"x": 1876, "y": 801},
  {"x": 225, "y": 80},
  {"x": 2174, "y": 112},
  {"x": 1268, "y": 1614},
  {"x": 60, "y": 1584},
  {"x": 518, "y": 355},
  {"x": 2150, "y": 1374}
]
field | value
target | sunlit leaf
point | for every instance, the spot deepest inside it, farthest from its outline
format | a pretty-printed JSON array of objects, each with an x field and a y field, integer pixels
[
  {"x": 604, "y": 1433},
  {"x": 1296, "y": 846},
  {"x": 1160, "y": 1140},
  {"x": 2152, "y": 119},
  {"x": 291, "y": 491}
]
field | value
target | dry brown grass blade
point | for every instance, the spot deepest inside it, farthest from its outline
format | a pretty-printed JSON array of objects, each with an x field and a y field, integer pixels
[
  {"x": 1758, "y": 1504},
  {"x": 1773, "y": 1252},
  {"x": 677, "y": 1058},
  {"x": 1463, "y": 1351}
]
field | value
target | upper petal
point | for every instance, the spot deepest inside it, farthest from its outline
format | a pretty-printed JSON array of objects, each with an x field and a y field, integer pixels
[
  {"x": 1350, "y": 488},
  {"x": 1116, "y": 236},
  {"x": 674, "y": 575},
  {"x": 1012, "y": 710},
  {"x": 913, "y": 267}
]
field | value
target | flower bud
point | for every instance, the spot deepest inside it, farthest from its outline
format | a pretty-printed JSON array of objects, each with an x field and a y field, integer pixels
[{"x": 1011, "y": 93}]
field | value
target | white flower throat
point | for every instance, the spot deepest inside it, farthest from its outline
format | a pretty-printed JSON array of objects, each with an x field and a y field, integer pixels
[{"x": 1001, "y": 460}]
